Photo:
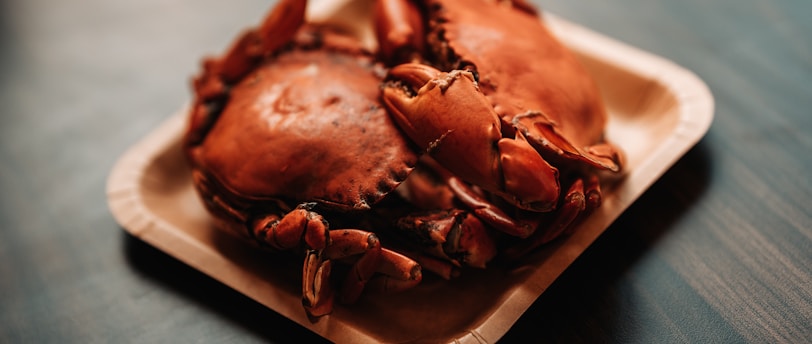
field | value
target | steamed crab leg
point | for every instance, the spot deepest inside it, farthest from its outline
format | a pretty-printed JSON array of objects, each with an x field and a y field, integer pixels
[
  {"x": 399, "y": 31},
  {"x": 481, "y": 207},
  {"x": 455, "y": 237},
  {"x": 581, "y": 198},
  {"x": 302, "y": 227},
  {"x": 276, "y": 30},
  {"x": 543, "y": 133},
  {"x": 288, "y": 232},
  {"x": 317, "y": 296},
  {"x": 352, "y": 242},
  {"x": 396, "y": 272},
  {"x": 392, "y": 272},
  {"x": 578, "y": 201},
  {"x": 295, "y": 229}
]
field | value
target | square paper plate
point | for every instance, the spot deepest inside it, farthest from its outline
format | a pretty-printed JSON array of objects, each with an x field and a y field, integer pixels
[{"x": 657, "y": 109}]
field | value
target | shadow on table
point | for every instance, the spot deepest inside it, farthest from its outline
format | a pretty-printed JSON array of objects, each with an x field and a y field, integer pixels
[
  {"x": 583, "y": 304},
  {"x": 228, "y": 304}
]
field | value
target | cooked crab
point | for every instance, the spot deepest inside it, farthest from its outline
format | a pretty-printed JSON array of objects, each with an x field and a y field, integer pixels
[
  {"x": 495, "y": 99},
  {"x": 286, "y": 131}
]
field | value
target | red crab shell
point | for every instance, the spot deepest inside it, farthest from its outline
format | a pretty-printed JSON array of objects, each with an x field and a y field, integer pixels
[
  {"x": 296, "y": 135},
  {"x": 307, "y": 126}
]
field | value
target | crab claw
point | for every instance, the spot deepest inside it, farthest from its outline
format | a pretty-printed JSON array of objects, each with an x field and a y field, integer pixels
[
  {"x": 452, "y": 235},
  {"x": 448, "y": 116}
]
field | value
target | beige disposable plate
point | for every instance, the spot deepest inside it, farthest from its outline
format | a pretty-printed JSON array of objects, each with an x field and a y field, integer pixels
[{"x": 658, "y": 110}]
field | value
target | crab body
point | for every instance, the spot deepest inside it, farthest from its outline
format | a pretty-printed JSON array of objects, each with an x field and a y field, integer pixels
[{"x": 302, "y": 107}]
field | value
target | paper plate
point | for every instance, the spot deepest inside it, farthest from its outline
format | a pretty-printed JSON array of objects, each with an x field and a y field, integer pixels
[{"x": 657, "y": 110}]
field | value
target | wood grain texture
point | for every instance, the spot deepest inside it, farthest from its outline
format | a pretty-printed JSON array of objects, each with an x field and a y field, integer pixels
[{"x": 718, "y": 250}]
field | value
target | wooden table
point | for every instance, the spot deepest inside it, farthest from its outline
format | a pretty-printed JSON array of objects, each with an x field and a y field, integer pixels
[{"x": 718, "y": 250}]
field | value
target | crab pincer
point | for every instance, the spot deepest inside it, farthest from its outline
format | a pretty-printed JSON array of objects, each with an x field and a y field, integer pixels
[{"x": 450, "y": 119}]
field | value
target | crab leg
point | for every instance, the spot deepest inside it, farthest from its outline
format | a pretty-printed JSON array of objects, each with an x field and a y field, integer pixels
[
  {"x": 454, "y": 235},
  {"x": 277, "y": 29},
  {"x": 543, "y": 134},
  {"x": 382, "y": 269},
  {"x": 573, "y": 205},
  {"x": 396, "y": 272},
  {"x": 352, "y": 242},
  {"x": 592, "y": 191},
  {"x": 440, "y": 267},
  {"x": 298, "y": 228},
  {"x": 592, "y": 201},
  {"x": 448, "y": 116},
  {"x": 323, "y": 246},
  {"x": 317, "y": 296},
  {"x": 399, "y": 30},
  {"x": 482, "y": 208}
]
